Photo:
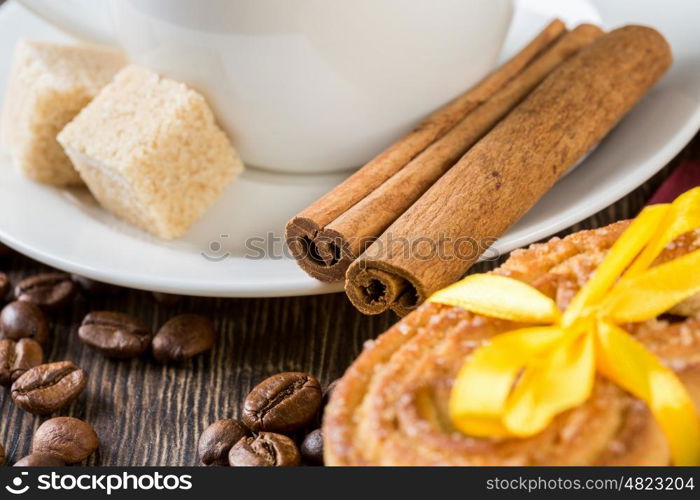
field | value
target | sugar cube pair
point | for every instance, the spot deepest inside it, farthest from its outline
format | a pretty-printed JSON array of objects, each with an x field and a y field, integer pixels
[{"x": 147, "y": 147}]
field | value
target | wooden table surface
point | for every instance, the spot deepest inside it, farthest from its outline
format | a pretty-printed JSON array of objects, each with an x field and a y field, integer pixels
[{"x": 146, "y": 413}]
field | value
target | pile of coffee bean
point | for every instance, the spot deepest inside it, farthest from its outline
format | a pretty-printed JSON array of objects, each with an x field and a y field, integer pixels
[
  {"x": 36, "y": 386},
  {"x": 60, "y": 441},
  {"x": 42, "y": 388},
  {"x": 113, "y": 333},
  {"x": 273, "y": 413}
]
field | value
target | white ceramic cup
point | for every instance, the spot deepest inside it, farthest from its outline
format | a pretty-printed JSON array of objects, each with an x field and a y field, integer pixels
[{"x": 304, "y": 86}]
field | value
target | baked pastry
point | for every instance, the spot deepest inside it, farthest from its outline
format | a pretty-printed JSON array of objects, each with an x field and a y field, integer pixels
[{"x": 391, "y": 406}]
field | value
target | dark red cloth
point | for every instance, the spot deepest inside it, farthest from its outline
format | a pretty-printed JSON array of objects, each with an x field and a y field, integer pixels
[{"x": 683, "y": 178}]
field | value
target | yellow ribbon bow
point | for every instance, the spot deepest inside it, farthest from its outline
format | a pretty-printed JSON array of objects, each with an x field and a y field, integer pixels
[{"x": 518, "y": 382}]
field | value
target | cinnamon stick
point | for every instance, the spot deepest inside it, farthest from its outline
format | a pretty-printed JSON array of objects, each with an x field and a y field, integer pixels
[
  {"x": 318, "y": 256},
  {"x": 501, "y": 177},
  {"x": 370, "y": 217}
]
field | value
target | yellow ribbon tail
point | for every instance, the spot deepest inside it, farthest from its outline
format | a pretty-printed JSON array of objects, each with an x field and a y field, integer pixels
[
  {"x": 683, "y": 215},
  {"x": 481, "y": 389},
  {"x": 561, "y": 380},
  {"x": 627, "y": 363},
  {"x": 499, "y": 297},
  {"x": 655, "y": 291},
  {"x": 623, "y": 251}
]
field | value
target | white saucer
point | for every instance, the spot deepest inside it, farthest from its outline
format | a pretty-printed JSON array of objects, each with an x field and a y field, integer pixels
[{"x": 68, "y": 230}]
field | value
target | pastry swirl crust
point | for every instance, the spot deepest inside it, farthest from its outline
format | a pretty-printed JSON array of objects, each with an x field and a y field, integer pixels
[{"x": 390, "y": 407}]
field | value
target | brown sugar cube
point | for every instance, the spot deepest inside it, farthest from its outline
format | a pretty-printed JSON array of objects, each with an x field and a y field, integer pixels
[
  {"x": 149, "y": 150},
  {"x": 49, "y": 84}
]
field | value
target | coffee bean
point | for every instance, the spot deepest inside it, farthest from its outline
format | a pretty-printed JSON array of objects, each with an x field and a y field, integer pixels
[
  {"x": 312, "y": 447},
  {"x": 48, "y": 290},
  {"x": 4, "y": 285},
  {"x": 167, "y": 299},
  {"x": 217, "y": 439},
  {"x": 182, "y": 337},
  {"x": 282, "y": 403},
  {"x": 40, "y": 460},
  {"x": 18, "y": 357},
  {"x": 115, "y": 334},
  {"x": 49, "y": 387},
  {"x": 267, "y": 449},
  {"x": 92, "y": 287},
  {"x": 67, "y": 438},
  {"x": 2, "y": 455},
  {"x": 23, "y": 320}
]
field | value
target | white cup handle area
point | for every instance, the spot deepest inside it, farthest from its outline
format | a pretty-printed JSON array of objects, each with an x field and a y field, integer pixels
[{"x": 86, "y": 19}]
